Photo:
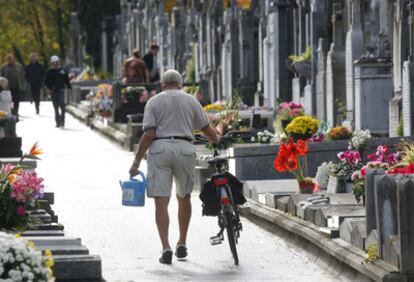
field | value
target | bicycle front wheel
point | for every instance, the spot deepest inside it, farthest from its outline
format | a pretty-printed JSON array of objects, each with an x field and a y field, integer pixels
[{"x": 231, "y": 236}]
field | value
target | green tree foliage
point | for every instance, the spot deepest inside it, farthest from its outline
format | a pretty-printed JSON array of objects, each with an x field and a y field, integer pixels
[{"x": 40, "y": 26}]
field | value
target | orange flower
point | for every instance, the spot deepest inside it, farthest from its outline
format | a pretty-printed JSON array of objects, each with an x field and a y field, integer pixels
[{"x": 34, "y": 151}]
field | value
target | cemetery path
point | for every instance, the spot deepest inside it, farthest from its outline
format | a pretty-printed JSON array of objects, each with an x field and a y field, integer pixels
[{"x": 82, "y": 168}]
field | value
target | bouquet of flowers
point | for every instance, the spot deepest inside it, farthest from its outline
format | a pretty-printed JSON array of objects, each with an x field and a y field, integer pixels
[
  {"x": 339, "y": 133},
  {"x": 19, "y": 260},
  {"x": 19, "y": 192},
  {"x": 304, "y": 126},
  {"x": 288, "y": 159},
  {"x": 102, "y": 100},
  {"x": 350, "y": 162},
  {"x": 264, "y": 137},
  {"x": 130, "y": 93},
  {"x": 289, "y": 110},
  {"x": 359, "y": 140}
]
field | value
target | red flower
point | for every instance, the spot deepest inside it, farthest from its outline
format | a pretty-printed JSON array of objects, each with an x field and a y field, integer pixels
[{"x": 404, "y": 170}]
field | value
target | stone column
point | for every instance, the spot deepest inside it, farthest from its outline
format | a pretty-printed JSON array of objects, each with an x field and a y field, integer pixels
[
  {"x": 321, "y": 83},
  {"x": 335, "y": 66},
  {"x": 354, "y": 50}
]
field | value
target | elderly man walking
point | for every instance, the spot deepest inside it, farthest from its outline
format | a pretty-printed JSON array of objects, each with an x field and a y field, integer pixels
[{"x": 169, "y": 121}]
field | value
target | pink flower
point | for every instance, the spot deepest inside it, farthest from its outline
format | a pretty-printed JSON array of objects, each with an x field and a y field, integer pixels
[
  {"x": 27, "y": 187},
  {"x": 363, "y": 171},
  {"x": 341, "y": 156},
  {"x": 21, "y": 211}
]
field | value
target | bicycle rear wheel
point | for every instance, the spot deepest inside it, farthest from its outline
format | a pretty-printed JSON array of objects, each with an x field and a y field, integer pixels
[{"x": 231, "y": 236}]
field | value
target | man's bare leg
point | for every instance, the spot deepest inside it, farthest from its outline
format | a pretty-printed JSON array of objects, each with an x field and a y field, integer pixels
[
  {"x": 162, "y": 219},
  {"x": 184, "y": 216}
]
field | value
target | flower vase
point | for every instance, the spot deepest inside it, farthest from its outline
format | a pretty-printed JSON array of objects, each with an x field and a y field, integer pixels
[
  {"x": 306, "y": 187},
  {"x": 296, "y": 136}
]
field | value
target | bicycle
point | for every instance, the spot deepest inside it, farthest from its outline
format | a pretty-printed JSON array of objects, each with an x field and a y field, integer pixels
[{"x": 229, "y": 215}]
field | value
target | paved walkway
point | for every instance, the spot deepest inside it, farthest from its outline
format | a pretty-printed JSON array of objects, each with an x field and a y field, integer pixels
[{"x": 83, "y": 169}]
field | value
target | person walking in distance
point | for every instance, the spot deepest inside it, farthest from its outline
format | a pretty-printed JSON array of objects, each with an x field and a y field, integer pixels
[
  {"x": 14, "y": 73},
  {"x": 152, "y": 64},
  {"x": 169, "y": 120},
  {"x": 56, "y": 80},
  {"x": 35, "y": 73},
  {"x": 135, "y": 70}
]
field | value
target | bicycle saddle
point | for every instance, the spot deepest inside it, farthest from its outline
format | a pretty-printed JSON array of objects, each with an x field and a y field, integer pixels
[{"x": 218, "y": 160}]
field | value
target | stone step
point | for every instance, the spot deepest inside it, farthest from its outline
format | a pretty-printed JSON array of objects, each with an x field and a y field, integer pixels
[
  {"x": 272, "y": 197},
  {"x": 43, "y": 233},
  {"x": 77, "y": 267},
  {"x": 44, "y": 218},
  {"x": 58, "y": 241},
  {"x": 49, "y": 226},
  {"x": 65, "y": 250},
  {"x": 50, "y": 197}
]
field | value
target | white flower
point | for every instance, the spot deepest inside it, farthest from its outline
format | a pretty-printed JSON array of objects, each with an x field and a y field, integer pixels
[{"x": 252, "y": 139}]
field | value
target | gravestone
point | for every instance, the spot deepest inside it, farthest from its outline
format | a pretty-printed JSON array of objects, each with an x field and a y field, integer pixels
[
  {"x": 386, "y": 209},
  {"x": 335, "y": 67},
  {"x": 371, "y": 220},
  {"x": 373, "y": 91},
  {"x": 320, "y": 83},
  {"x": 405, "y": 198},
  {"x": 296, "y": 90},
  {"x": 354, "y": 50},
  {"x": 407, "y": 99},
  {"x": 394, "y": 115}
]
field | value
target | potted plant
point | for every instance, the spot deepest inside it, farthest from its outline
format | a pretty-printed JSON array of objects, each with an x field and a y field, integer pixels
[
  {"x": 20, "y": 261},
  {"x": 302, "y": 127},
  {"x": 289, "y": 159},
  {"x": 302, "y": 63},
  {"x": 350, "y": 161},
  {"x": 339, "y": 133},
  {"x": 20, "y": 190},
  {"x": 287, "y": 111}
]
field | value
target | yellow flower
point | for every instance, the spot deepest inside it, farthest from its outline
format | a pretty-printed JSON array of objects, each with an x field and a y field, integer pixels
[
  {"x": 2, "y": 114},
  {"x": 31, "y": 245},
  {"x": 48, "y": 253},
  {"x": 214, "y": 108},
  {"x": 18, "y": 235},
  {"x": 49, "y": 262},
  {"x": 303, "y": 125}
]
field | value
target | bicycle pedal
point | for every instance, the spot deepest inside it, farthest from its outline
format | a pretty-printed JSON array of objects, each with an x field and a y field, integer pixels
[{"x": 216, "y": 240}]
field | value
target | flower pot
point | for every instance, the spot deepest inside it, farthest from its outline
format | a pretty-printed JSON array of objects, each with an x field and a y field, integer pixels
[
  {"x": 296, "y": 136},
  {"x": 306, "y": 187}
]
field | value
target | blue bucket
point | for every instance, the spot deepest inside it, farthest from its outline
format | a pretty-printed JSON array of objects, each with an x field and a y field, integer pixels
[{"x": 133, "y": 191}]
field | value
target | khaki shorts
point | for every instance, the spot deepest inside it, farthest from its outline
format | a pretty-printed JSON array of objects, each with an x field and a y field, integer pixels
[{"x": 170, "y": 160}]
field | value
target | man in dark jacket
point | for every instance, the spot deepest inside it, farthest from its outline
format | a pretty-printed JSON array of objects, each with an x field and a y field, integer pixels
[
  {"x": 56, "y": 80},
  {"x": 151, "y": 62},
  {"x": 35, "y": 73}
]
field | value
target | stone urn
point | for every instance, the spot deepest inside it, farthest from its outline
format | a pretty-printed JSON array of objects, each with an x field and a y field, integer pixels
[{"x": 303, "y": 68}]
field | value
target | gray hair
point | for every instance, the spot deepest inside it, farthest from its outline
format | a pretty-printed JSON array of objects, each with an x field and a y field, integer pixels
[
  {"x": 4, "y": 82},
  {"x": 171, "y": 76}
]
